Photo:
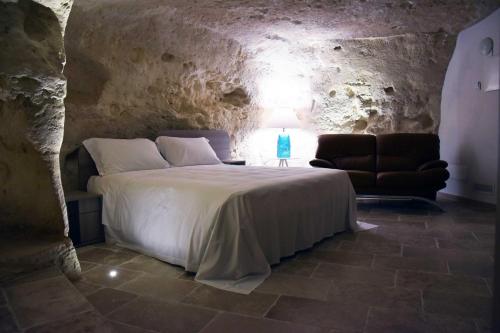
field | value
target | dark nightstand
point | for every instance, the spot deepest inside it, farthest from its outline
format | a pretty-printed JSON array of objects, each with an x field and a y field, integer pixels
[
  {"x": 84, "y": 215},
  {"x": 235, "y": 162}
]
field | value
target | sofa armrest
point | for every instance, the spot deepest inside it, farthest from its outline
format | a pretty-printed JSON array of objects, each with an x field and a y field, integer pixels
[
  {"x": 433, "y": 165},
  {"x": 319, "y": 163}
]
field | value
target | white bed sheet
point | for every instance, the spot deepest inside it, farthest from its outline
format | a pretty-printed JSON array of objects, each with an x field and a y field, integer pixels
[{"x": 226, "y": 223}]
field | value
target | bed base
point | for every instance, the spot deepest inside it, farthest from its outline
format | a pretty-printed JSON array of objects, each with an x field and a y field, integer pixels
[{"x": 398, "y": 198}]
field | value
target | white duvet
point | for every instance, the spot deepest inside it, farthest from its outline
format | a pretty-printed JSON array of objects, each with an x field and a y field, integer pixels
[{"x": 226, "y": 223}]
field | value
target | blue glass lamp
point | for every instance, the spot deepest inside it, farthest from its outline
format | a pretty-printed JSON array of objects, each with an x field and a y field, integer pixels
[
  {"x": 283, "y": 118},
  {"x": 283, "y": 145}
]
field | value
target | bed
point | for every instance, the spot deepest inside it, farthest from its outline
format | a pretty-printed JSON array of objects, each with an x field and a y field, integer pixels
[{"x": 227, "y": 223}]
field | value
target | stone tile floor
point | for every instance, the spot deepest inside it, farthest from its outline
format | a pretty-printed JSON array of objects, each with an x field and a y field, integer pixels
[{"x": 419, "y": 271}]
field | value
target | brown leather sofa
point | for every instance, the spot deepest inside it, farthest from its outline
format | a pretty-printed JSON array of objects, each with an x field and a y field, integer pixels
[{"x": 401, "y": 164}]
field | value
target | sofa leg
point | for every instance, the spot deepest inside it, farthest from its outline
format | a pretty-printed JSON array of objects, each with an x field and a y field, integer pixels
[{"x": 398, "y": 198}]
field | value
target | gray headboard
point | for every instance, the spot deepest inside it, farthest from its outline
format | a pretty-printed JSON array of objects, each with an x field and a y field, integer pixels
[{"x": 218, "y": 139}]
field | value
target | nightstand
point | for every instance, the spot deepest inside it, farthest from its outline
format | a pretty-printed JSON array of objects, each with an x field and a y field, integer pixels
[
  {"x": 235, "y": 162},
  {"x": 84, "y": 215}
]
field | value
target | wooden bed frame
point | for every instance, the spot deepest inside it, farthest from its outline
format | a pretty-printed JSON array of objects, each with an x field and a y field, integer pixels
[{"x": 218, "y": 139}]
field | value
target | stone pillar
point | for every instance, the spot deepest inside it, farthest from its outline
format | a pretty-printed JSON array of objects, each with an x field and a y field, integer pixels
[{"x": 32, "y": 91}]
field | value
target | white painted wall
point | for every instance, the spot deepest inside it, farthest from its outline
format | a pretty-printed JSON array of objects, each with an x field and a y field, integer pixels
[{"x": 469, "y": 116}]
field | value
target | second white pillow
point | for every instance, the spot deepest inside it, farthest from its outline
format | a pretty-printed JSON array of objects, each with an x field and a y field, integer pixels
[{"x": 186, "y": 151}]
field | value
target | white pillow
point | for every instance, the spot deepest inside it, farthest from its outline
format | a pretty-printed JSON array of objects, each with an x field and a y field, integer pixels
[
  {"x": 186, "y": 151},
  {"x": 121, "y": 155}
]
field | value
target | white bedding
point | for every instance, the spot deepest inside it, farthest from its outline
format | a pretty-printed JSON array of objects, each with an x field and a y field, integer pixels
[{"x": 226, "y": 223}]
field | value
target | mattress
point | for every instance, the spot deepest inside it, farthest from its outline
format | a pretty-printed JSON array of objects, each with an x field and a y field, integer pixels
[{"x": 226, "y": 223}]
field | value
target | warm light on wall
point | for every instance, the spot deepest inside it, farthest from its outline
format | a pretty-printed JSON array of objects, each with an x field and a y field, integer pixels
[
  {"x": 284, "y": 91},
  {"x": 284, "y": 79}
]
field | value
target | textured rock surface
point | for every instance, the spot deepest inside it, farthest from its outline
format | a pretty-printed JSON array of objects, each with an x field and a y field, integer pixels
[
  {"x": 344, "y": 66},
  {"x": 32, "y": 90},
  {"x": 379, "y": 85}
]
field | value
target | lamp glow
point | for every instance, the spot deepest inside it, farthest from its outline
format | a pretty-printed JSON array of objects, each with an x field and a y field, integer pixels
[{"x": 113, "y": 273}]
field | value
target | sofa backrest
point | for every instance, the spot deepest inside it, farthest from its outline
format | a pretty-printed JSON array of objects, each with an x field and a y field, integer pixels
[
  {"x": 348, "y": 151},
  {"x": 405, "y": 151}
]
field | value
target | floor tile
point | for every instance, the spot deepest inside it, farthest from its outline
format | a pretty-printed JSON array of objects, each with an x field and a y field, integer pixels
[
  {"x": 162, "y": 316},
  {"x": 86, "y": 266},
  {"x": 105, "y": 257},
  {"x": 40, "y": 291},
  {"x": 474, "y": 266},
  {"x": 383, "y": 297},
  {"x": 339, "y": 257},
  {"x": 40, "y": 311},
  {"x": 85, "y": 322},
  {"x": 423, "y": 252},
  {"x": 329, "y": 244},
  {"x": 386, "y": 248},
  {"x": 124, "y": 328},
  {"x": 152, "y": 266},
  {"x": 42, "y": 274},
  {"x": 397, "y": 221},
  {"x": 485, "y": 233},
  {"x": 295, "y": 267},
  {"x": 391, "y": 235},
  {"x": 336, "y": 315},
  {"x": 3, "y": 300},
  {"x": 393, "y": 321},
  {"x": 109, "y": 276},
  {"x": 467, "y": 306},
  {"x": 485, "y": 236},
  {"x": 467, "y": 245},
  {"x": 345, "y": 235},
  {"x": 85, "y": 288},
  {"x": 43, "y": 300},
  {"x": 106, "y": 300},
  {"x": 234, "y": 323},
  {"x": 160, "y": 287},
  {"x": 474, "y": 219},
  {"x": 256, "y": 304},
  {"x": 442, "y": 282},
  {"x": 282, "y": 284},
  {"x": 417, "y": 264},
  {"x": 7, "y": 322},
  {"x": 483, "y": 326},
  {"x": 347, "y": 274}
]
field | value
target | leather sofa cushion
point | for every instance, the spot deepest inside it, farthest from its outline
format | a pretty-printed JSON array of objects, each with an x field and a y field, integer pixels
[
  {"x": 318, "y": 163},
  {"x": 428, "y": 179},
  {"x": 405, "y": 151},
  {"x": 348, "y": 151},
  {"x": 362, "y": 179}
]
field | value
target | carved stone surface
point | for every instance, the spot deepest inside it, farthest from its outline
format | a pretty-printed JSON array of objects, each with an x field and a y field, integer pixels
[
  {"x": 344, "y": 66},
  {"x": 33, "y": 223},
  {"x": 32, "y": 90}
]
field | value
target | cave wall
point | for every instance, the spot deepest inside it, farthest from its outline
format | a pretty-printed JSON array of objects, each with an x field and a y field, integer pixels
[
  {"x": 135, "y": 74},
  {"x": 381, "y": 85},
  {"x": 469, "y": 130},
  {"x": 344, "y": 66},
  {"x": 32, "y": 90}
]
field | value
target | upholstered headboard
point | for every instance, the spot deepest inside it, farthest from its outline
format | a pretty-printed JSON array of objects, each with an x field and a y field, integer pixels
[{"x": 218, "y": 139}]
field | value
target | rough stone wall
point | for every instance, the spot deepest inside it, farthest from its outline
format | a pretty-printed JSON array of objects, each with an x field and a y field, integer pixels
[
  {"x": 381, "y": 85},
  {"x": 345, "y": 66},
  {"x": 32, "y": 90},
  {"x": 133, "y": 75}
]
